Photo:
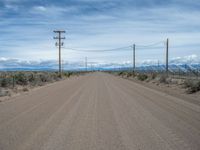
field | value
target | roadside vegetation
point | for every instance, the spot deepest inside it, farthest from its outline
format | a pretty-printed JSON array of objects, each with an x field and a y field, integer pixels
[
  {"x": 190, "y": 85},
  {"x": 15, "y": 82}
]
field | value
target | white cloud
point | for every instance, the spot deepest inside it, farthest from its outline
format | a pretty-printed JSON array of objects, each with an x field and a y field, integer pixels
[
  {"x": 191, "y": 59},
  {"x": 53, "y": 11},
  {"x": 39, "y": 8},
  {"x": 3, "y": 59},
  {"x": 12, "y": 7}
]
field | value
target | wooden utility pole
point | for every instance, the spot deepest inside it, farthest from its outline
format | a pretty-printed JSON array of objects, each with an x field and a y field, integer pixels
[
  {"x": 91, "y": 67},
  {"x": 86, "y": 64},
  {"x": 59, "y": 44},
  {"x": 133, "y": 58},
  {"x": 167, "y": 57},
  {"x": 63, "y": 65},
  {"x": 158, "y": 64}
]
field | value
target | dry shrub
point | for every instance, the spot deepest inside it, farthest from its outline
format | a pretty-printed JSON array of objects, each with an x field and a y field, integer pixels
[
  {"x": 21, "y": 78},
  {"x": 4, "y": 92},
  {"x": 6, "y": 82},
  {"x": 25, "y": 89},
  {"x": 121, "y": 73},
  {"x": 129, "y": 74},
  {"x": 163, "y": 79},
  {"x": 153, "y": 76},
  {"x": 192, "y": 86},
  {"x": 142, "y": 77}
]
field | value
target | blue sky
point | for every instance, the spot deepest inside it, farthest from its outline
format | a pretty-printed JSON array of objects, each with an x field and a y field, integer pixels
[{"x": 26, "y": 29}]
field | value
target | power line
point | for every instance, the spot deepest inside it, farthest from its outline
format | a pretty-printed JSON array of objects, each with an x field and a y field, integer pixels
[
  {"x": 113, "y": 50},
  {"x": 150, "y": 48},
  {"x": 102, "y": 50},
  {"x": 150, "y": 45}
]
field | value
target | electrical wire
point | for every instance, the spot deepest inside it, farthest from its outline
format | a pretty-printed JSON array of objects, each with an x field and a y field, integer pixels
[
  {"x": 141, "y": 47},
  {"x": 102, "y": 50},
  {"x": 149, "y": 48},
  {"x": 150, "y": 45}
]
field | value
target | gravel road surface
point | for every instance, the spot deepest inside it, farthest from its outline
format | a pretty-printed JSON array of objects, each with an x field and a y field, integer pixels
[{"x": 98, "y": 112}]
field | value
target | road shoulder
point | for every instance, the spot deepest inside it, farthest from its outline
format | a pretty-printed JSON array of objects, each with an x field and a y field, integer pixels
[{"x": 168, "y": 89}]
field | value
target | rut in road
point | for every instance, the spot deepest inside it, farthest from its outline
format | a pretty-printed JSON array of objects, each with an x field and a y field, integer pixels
[{"x": 98, "y": 111}]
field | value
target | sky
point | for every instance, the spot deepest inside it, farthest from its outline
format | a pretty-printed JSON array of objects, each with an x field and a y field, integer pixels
[{"x": 26, "y": 31}]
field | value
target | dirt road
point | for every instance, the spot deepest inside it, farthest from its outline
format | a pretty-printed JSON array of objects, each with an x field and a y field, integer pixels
[{"x": 98, "y": 112}]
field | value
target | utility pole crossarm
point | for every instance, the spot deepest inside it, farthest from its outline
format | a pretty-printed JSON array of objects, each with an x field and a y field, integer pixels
[
  {"x": 56, "y": 38},
  {"x": 59, "y": 31}
]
